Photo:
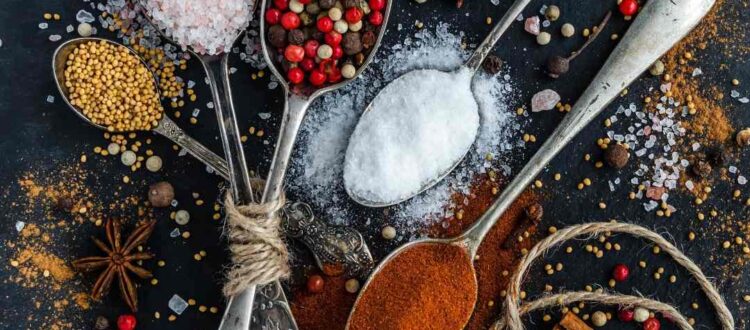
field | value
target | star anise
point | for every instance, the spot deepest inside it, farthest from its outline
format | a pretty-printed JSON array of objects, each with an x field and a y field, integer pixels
[{"x": 120, "y": 260}]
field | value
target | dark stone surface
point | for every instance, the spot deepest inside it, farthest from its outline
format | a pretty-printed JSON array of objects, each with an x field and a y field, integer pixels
[{"x": 41, "y": 137}]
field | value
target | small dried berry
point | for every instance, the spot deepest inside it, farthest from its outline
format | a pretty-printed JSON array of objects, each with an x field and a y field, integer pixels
[
  {"x": 621, "y": 272},
  {"x": 368, "y": 39},
  {"x": 701, "y": 169},
  {"x": 315, "y": 284},
  {"x": 617, "y": 156},
  {"x": 296, "y": 37},
  {"x": 557, "y": 66},
  {"x": 161, "y": 194},
  {"x": 492, "y": 64},
  {"x": 277, "y": 36},
  {"x": 352, "y": 43}
]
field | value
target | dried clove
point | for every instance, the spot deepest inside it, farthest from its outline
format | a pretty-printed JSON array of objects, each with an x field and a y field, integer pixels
[{"x": 558, "y": 65}]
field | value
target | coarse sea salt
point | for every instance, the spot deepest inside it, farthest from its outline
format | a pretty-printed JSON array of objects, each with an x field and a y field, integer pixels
[
  {"x": 417, "y": 129},
  {"x": 316, "y": 173},
  {"x": 207, "y": 26}
]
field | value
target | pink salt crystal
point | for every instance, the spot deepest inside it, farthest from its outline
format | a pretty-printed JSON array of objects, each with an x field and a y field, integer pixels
[
  {"x": 531, "y": 25},
  {"x": 647, "y": 130},
  {"x": 544, "y": 100},
  {"x": 655, "y": 193}
]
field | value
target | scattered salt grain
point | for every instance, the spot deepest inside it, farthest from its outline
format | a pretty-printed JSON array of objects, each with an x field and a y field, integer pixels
[
  {"x": 50, "y": 99},
  {"x": 209, "y": 27},
  {"x": 43, "y": 26},
  {"x": 175, "y": 233},
  {"x": 544, "y": 100},
  {"x": 55, "y": 37},
  {"x": 697, "y": 72},
  {"x": 84, "y": 17},
  {"x": 177, "y": 304},
  {"x": 743, "y": 100},
  {"x": 20, "y": 225},
  {"x": 419, "y": 126},
  {"x": 264, "y": 115},
  {"x": 531, "y": 25},
  {"x": 741, "y": 180},
  {"x": 734, "y": 94}
]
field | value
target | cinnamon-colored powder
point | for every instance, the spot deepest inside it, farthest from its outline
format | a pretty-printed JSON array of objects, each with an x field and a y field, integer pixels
[
  {"x": 326, "y": 310},
  {"x": 427, "y": 286}
]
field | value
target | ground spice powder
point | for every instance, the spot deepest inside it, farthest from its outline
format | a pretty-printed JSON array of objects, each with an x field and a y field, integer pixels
[{"x": 427, "y": 286}]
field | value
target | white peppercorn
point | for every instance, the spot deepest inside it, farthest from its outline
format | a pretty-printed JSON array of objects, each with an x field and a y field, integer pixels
[
  {"x": 296, "y": 6},
  {"x": 389, "y": 232},
  {"x": 85, "y": 30},
  {"x": 113, "y": 148},
  {"x": 567, "y": 30},
  {"x": 356, "y": 26},
  {"x": 599, "y": 319},
  {"x": 543, "y": 38},
  {"x": 325, "y": 51},
  {"x": 335, "y": 14},
  {"x": 128, "y": 158},
  {"x": 640, "y": 314},
  {"x": 182, "y": 217},
  {"x": 341, "y": 26},
  {"x": 153, "y": 163},
  {"x": 348, "y": 71}
]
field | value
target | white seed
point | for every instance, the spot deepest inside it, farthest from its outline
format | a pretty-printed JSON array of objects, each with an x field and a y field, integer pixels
[
  {"x": 153, "y": 163},
  {"x": 182, "y": 217},
  {"x": 296, "y": 6},
  {"x": 568, "y": 30},
  {"x": 543, "y": 38},
  {"x": 325, "y": 51},
  {"x": 348, "y": 71},
  {"x": 335, "y": 14},
  {"x": 128, "y": 158},
  {"x": 599, "y": 319},
  {"x": 85, "y": 30},
  {"x": 389, "y": 232},
  {"x": 341, "y": 26},
  {"x": 113, "y": 148},
  {"x": 352, "y": 285},
  {"x": 640, "y": 314},
  {"x": 356, "y": 26}
]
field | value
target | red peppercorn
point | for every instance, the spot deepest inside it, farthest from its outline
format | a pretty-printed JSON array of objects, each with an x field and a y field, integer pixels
[
  {"x": 315, "y": 283},
  {"x": 281, "y": 4},
  {"x": 304, "y": 2},
  {"x": 333, "y": 38},
  {"x": 311, "y": 48},
  {"x": 651, "y": 324},
  {"x": 273, "y": 16},
  {"x": 325, "y": 24},
  {"x": 338, "y": 52},
  {"x": 334, "y": 75},
  {"x": 316, "y": 78},
  {"x": 290, "y": 20},
  {"x": 377, "y": 5},
  {"x": 294, "y": 53},
  {"x": 307, "y": 64},
  {"x": 126, "y": 322},
  {"x": 295, "y": 75},
  {"x": 620, "y": 272},
  {"x": 626, "y": 315},
  {"x": 629, "y": 7},
  {"x": 376, "y": 18},
  {"x": 353, "y": 15}
]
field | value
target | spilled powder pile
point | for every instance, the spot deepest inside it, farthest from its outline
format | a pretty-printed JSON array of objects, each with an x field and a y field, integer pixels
[
  {"x": 417, "y": 128},
  {"x": 316, "y": 175},
  {"x": 208, "y": 26}
]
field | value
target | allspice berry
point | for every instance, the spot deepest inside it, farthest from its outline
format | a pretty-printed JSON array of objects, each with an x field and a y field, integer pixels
[
  {"x": 557, "y": 66},
  {"x": 277, "y": 36},
  {"x": 743, "y": 137},
  {"x": 351, "y": 43},
  {"x": 492, "y": 64},
  {"x": 161, "y": 194},
  {"x": 616, "y": 156}
]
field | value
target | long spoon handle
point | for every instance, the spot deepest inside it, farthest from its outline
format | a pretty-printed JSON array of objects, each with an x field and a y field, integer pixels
[
  {"x": 171, "y": 131},
  {"x": 658, "y": 27},
  {"x": 484, "y": 49}
]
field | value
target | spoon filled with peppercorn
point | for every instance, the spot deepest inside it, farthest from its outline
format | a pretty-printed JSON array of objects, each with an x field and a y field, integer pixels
[
  {"x": 391, "y": 157},
  {"x": 95, "y": 95},
  {"x": 417, "y": 283}
]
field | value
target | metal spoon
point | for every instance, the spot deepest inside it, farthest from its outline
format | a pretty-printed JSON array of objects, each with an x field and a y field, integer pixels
[
  {"x": 658, "y": 27},
  {"x": 166, "y": 126},
  {"x": 473, "y": 64}
]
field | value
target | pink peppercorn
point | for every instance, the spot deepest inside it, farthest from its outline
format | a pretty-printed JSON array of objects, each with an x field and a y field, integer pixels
[
  {"x": 353, "y": 15},
  {"x": 325, "y": 24},
  {"x": 620, "y": 272},
  {"x": 625, "y": 315}
]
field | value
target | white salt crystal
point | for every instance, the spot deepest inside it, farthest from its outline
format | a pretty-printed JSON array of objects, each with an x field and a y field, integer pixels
[
  {"x": 175, "y": 233},
  {"x": 264, "y": 115},
  {"x": 55, "y": 37},
  {"x": 734, "y": 94},
  {"x": 177, "y": 304},
  {"x": 697, "y": 72},
  {"x": 741, "y": 180},
  {"x": 20, "y": 225},
  {"x": 196, "y": 112},
  {"x": 50, "y": 99},
  {"x": 43, "y": 26},
  {"x": 690, "y": 185},
  {"x": 650, "y": 206},
  {"x": 210, "y": 105},
  {"x": 69, "y": 28},
  {"x": 420, "y": 125},
  {"x": 743, "y": 100},
  {"x": 84, "y": 17},
  {"x": 544, "y": 100},
  {"x": 495, "y": 2},
  {"x": 732, "y": 169}
]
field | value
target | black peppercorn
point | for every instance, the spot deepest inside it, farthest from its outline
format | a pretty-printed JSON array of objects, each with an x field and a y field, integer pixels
[
  {"x": 492, "y": 64},
  {"x": 326, "y": 4},
  {"x": 557, "y": 66},
  {"x": 351, "y": 43},
  {"x": 701, "y": 169},
  {"x": 616, "y": 156},
  {"x": 368, "y": 39},
  {"x": 277, "y": 36},
  {"x": 296, "y": 37}
]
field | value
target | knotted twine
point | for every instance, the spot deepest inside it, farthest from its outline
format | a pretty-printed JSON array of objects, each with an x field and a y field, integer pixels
[
  {"x": 258, "y": 254},
  {"x": 513, "y": 310}
]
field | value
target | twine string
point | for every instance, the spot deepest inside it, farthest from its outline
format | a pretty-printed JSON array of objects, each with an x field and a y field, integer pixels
[{"x": 513, "y": 311}]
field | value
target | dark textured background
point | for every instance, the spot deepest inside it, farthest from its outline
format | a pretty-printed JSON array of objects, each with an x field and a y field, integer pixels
[{"x": 40, "y": 136}]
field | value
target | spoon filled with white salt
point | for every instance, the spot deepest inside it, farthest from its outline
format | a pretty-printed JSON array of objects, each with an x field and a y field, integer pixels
[{"x": 417, "y": 129}]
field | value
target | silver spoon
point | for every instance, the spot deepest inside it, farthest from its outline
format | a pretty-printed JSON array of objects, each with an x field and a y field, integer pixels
[
  {"x": 473, "y": 64},
  {"x": 166, "y": 126},
  {"x": 658, "y": 27}
]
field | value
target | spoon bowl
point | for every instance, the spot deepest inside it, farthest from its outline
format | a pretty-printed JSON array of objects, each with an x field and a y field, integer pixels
[
  {"x": 658, "y": 27},
  {"x": 166, "y": 127},
  {"x": 472, "y": 65}
]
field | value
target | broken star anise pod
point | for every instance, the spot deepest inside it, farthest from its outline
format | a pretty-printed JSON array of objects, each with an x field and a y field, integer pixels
[{"x": 119, "y": 262}]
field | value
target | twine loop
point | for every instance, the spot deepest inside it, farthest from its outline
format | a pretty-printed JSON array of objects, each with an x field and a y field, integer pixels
[
  {"x": 258, "y": 254},
  {"x": 513, "y": 312}
]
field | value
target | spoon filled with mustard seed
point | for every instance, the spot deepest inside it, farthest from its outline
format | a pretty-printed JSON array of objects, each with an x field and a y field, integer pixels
[{"x": 384, "y": 302}]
